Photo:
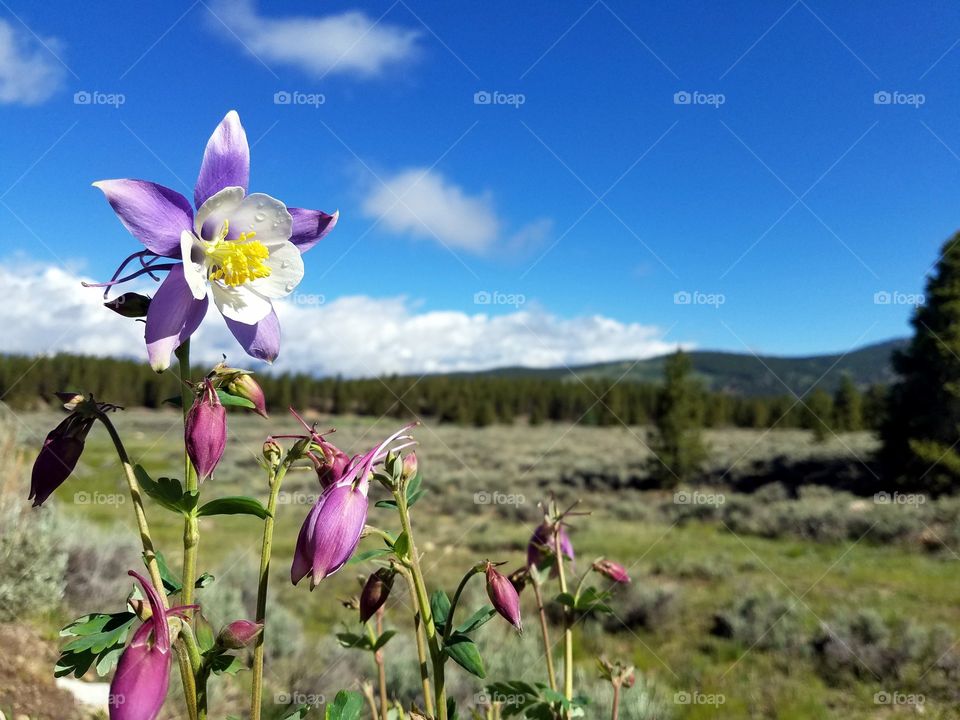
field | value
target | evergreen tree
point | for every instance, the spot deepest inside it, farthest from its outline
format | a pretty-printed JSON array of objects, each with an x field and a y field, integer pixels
[
  {"x": 921, "y": 432},
  {"x": 847, "y": 407},
  {"x": 677, "y": 444},
  {"x": 818, "y": 414}
]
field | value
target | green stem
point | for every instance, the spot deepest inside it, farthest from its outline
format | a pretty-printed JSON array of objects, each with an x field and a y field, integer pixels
[
  {"x": 448, "y": 628},
  {"x": 266, "y": 549},
  {"x": 567, "y": 622},
  {"x": 421, "y": 643},
  {"x": 545, "y": 631},
  {"x": 436, "y": 652}
]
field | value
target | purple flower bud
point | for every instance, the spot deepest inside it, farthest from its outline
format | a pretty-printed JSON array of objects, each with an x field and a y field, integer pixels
[
  {"x": 330, "y": 533},
  {"x": 375, "y": 593},
  {"x": 58, "y": 457},
  {"x": 332, "y": 465},
  {"x": 612, "y": 570},
  {"x": 131, "y": 305},
  {"x": 244, "y": 386},
  {"x": 206, "y": 432},
  {"x": 239, "y": 634},
  {"x": 503, "y": 596},
  {"x": 140, "y": 683},
  {"x": 542, "y": 544}
]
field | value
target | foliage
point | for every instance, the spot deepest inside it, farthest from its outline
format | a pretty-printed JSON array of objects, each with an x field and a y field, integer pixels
[{"x": 677, "y": 445}]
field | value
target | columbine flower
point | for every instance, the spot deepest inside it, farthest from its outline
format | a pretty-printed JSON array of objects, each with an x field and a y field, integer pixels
[
  {"x": 331, "y": 530},
  {"x": 375, "y": 592},
  {"x": 541, "y": 546},
  {"x": 205, "y": 432},
  {"x": 612, "y": 570},
  {"x": 143, "y": 673},
  {"x": 242, "y": 250},
  {"x": 504, "y": 597}
]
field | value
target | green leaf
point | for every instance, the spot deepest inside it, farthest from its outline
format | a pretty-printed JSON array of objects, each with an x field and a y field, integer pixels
[
  {"x": 298, "y": 714},
  {"x": 412, "y": 499},
  {"x": 222, "y": 663},
  {"x": 368, "y": 555},
  {"x": 171, "y": 583},
  {"x": 203, "y": 630},
  {"x": 480, "y": 618},
  {"x": 99, "y": 639},
  {"x": 354, "y": 641},
  {"x": 391, "y": 504},
  {"x": 566, "y": 599},
  {"x": 402, "y": 546},
  {"x": 168, "y": 492},
  {"x": 383, "y": 639},
  {"x": 464, "y": 652},
  {"x": 204, "y": 580},
  {"x": 439, "y": 607},
  {"x": 234, "y": 505},
  {"x": 346, "y": 706},
  {"x": 228, "y": 399}
]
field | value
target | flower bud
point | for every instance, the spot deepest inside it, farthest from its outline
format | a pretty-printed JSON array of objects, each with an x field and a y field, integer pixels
[
  {"x": 519, "y": 578},
  {"x": 131, "y": 305},
  {"x": 58, "y": 457},
  {"x": 410, "y": 466},
  {"x": 272, "y": 452},
  {"x": 375, "y": 593},
  {"x": 206, "y": 432},
  {"x": 239, "y": 634},
  {"x": 244, "y": 386},
  {"x": 504, "y": 597},
  {"x": 612, "y": 570}
]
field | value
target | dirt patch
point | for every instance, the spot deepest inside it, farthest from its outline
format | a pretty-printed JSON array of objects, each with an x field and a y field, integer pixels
[{"x": 26, "y": 677}]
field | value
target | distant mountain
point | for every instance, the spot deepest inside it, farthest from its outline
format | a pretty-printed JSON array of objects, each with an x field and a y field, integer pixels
[{"x": 743, "y": 373}]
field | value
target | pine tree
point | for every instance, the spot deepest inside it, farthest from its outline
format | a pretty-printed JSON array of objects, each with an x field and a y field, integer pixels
[
  {"x": 678, "y": 447},
  {"x": 921, "y": 431},
  {"x": 847, "y": 407},
  {"x": 818, "y": 414}
]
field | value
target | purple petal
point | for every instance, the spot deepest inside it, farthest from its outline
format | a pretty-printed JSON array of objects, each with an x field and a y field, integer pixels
[
  {"x": 310, "y": 226},
  {"x": 261, "y": 340},
  {"x": 154, "y": 214},
  {"x": 302, "y": 554},
  {"x": 173, "y": 317},
  {"x": 140, "y": 683},
  {"x": 226, "y": 161}
]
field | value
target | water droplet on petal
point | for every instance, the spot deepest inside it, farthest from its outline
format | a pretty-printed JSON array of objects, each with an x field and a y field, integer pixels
[
  {"x": 259, "y": 217},
  {"x": 284, "y": 264},
  {"x": 289, "y": 287}
]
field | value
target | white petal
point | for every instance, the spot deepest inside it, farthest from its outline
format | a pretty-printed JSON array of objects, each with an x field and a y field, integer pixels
[
  {"x": 217, "y": 208},
  {"x": 263, "y": 215},
  {"x": 194, "y": 270},
  {"x": 286, "y": 272},
  {"x": 240, "y": 303}
]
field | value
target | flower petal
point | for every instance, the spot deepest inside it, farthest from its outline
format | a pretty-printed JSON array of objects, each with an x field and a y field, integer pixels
[
  {"x": 193, "y": 270},
  {"x": 173, "y": 317},
  {"x": 154, "y": 214},
  {"x": 226, "y": 161},
  {"x": 261, "y": 340},
  {"x": 310, "y": 226},
  {"x": 215, "y": 210},
  {"x": 263, "y": 216},
  {"x": 240, "y": 303},
  {"x": 286, "y": 272}
]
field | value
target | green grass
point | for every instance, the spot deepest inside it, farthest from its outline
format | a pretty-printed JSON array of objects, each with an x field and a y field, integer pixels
[{"x": 706, "y": 566}]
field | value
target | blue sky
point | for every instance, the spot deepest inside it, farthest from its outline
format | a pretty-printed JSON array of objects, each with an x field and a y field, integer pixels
[{"x": 782, "y": 198}]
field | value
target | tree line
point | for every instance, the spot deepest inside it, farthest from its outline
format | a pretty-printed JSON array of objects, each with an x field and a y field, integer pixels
[{"x": 470, "y": 400}]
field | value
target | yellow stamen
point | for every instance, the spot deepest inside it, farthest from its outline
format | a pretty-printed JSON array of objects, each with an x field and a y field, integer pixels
[{"x": 235, "y": 262}]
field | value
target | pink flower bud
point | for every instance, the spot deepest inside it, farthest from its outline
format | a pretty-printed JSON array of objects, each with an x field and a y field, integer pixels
[
  {"x": 206, "y": 432},
  {"x": 612, "y": 570},
  {"x": 239, "y": 634},
  {"x": 244, "y": 386},
  {"x": 410, "y": 466},
  {"x": 542, "y": 544},
  {"x": 375, "y": 593},
  {"x": 504, "y": 597}
]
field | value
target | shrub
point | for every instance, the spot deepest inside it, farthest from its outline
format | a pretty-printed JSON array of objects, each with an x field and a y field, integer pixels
[{"x": 762, "y": 621}]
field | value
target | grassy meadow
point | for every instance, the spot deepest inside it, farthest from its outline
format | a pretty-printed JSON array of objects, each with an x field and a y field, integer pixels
[{"x": 774, "y": 604}]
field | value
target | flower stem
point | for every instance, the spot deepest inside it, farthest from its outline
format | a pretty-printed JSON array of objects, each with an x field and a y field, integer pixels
[
  {"x": 421, "y": 643},
  {"x": 448, "y": 628},
  {"x": 545, "y": 631},
  {"x": 423, "y": 602},
  {"x": 266, "y": 548},
  {"x": 567, "y": 622},
  {"x": 382, "y": 669},
  {"x": 616, "y": 702}
]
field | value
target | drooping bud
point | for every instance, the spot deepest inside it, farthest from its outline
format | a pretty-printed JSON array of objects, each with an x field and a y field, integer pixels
[
  {"x": 239, "y": 634},
  {"x": 612, "y": 570},
  {"x": 244, "y": 386},
  {"x": 375, "y": 593},
  {"x": 543, "y": 542},
  {"x": 330, "y": 533},
  {"x": 205, "y": 432},
  {"x": 131, "y": 305},
  {"x": 410, "y": 466},
  {"x": 503, "y": 596},
  {"x": 59, "y": 456}
]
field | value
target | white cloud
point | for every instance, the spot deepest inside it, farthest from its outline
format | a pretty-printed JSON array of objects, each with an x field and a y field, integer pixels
[
  {"x": 29, "y": 73},
  {"x": 45, "y": 310},
  {"x": 349, "y": 42}
]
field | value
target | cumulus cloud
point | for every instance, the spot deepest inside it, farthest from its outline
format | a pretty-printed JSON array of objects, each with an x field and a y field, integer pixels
[
  {"x": 45, "y": 310},
  {"x": 423, "y": 203},
  {"x": 348, "y": 42},
  {"x": 29, "y": 72}
]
